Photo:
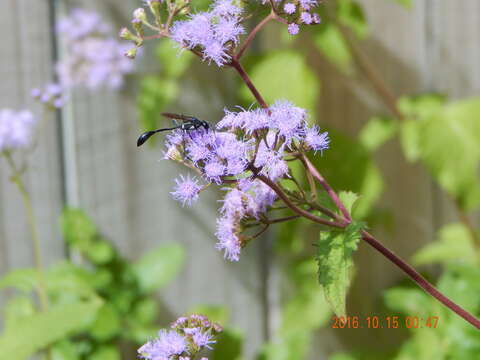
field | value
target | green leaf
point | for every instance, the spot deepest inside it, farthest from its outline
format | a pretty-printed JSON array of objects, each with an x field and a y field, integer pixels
[
  {"x": 229, "y": 345},
  {"x": 377, "y": 132},
  {"x": 17, "y": 309},
  {"x": 330, "y": 41},
  {"x": 158, "y": 267},
  {"x": 106, "y": 353},
  {"x": 350, "y": 13},
  {"x": 173, "y": 64},
  {"x": 77, "y": 228},
  {"x": 145, "y": 311},
  {"x": 454, "y": 245},
  {"x": 449, "y": 148},
  {"x": 420, "y": 106},
  {"x": 24, "y": 280},
  {"x": 410, "y": 139},
  {"x": 107, "y": 323},
  {"x": 100, "y": 252},
  {"x": 348, "y": 199},
  {"x": 335, "y": 259},
  {"x": 284, "y": 75},
  {"x": 42, "y": 329},
  {"x": 408, "y": 301}
]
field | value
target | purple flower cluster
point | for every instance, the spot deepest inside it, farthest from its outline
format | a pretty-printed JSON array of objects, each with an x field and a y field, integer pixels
[
  {"x": 94, "y": 58},
  {"x": 245, "y": 143},
  {"x": 300, "y": 13},
  {"x": 213, "y": 33},
  {"x": 52, "y": 95},
  {"x": 16, "y": 129},
  {"x": 186, "y": 338}
]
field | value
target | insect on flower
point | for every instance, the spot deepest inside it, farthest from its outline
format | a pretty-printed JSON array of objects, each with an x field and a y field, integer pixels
[{"x": 189, "y": 123}]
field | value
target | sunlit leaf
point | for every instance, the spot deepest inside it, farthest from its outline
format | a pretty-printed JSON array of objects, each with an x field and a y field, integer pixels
[
  {"x": 38, "y": 331},
  {"x": 159, "y": 266},
  {"x": 335, "y": 259},
  {"x": 378, "y": 131},
  {"x": 284, "y": 75},
  {"x": 454, "y": 245},
  {"x": 330, "y": 41}
]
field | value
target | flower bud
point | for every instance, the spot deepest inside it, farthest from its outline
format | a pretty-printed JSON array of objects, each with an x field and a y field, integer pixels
[
  {"x": 137, "y": 25},
  {"x": 126, "y": 34},
  {"x": 140, "y": 14},
  {"x": 132, "y": 53}
]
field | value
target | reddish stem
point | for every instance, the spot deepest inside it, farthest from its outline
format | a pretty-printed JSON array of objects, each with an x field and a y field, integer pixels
[
  {"x": 295, "y": 208},
  {"x": 252, "y": 34},
  {"x": 326, "y": 186},
  {"x": 420, "y": 280},
  {"x": 241, "y": 71}
]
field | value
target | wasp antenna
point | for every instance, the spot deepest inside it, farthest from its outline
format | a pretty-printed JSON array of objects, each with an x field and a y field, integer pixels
[{"x": 144, "y": 137}]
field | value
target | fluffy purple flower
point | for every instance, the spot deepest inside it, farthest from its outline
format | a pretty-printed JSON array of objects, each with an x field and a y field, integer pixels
[
  {"x": 186, "y": 190},
  {"x": 289, "y": 8},
  {"x": 203, "y": 339},
  {"x": 16, "y": 128},
  {"x": 306, "y": 18},
  {"x": 225, "y": 8},
  {"x": 167, "y": 344},
  {"x": 288, "y": 119},
  {"x": 293, "y": 29},
  {"x": 308, "y": 4},
  {"x": 228, "y": 240},
  {"x": 316, "y": 18},
  {"x": 212, "y": 31},
  {"x": 94, "y": 58},
  {"x": 316, "y": 140},
  {"x": 214, "y": 169}
]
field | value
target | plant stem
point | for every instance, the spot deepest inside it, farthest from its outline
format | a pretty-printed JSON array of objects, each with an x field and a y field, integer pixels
[
  {"x": 17, "y": 180},
  {"x": 420, "y": 280},
  {"x": 241, "y": 71},
  {"x": 252, "y": 34},
  {"x": 326, "y": 186},
  {"x": 295, "y": 208}
]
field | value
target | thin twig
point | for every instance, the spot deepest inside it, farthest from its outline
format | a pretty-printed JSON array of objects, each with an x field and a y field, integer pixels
[
  {"x": 252, "y": 34},
  {"x": 241, "y": 71},
  {"x": 309, "y": 167}
]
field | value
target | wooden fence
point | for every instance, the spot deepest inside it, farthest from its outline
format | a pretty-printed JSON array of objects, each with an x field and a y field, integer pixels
[{"x": 87, "y": 157}]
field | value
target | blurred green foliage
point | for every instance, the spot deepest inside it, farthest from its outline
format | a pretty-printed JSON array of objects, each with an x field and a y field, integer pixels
[{"x": 94, "y": 306}]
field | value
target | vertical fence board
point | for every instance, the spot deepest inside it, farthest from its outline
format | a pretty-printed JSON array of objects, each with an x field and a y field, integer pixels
[{"x": 25, "y": 63}]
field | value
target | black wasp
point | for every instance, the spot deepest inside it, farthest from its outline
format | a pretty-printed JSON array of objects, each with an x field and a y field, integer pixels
[{"x": 189, "y": 123}]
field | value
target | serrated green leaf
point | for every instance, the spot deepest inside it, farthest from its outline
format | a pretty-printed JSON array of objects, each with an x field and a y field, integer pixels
[
  {"x": 24, "y": 280},
  {"x": 348, "y": 199},
  {"x": 335, "y": 260},
  {"x": 454, "y": 245},
  {"x": 330, "y": 41},
  {"x": 350, "y": 13},
  {"x": 158, "y": 267},
  {"x": 42, "y": 329},
  {"x": 378, "y": 131},
  {"x": 284, "y": 75}
]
